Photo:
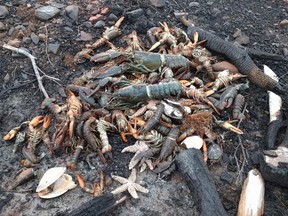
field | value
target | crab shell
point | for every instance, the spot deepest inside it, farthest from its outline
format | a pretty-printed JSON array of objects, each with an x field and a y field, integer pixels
[
  {"x": 54, "y": 183},
  {"x": 193, "y": 142}
]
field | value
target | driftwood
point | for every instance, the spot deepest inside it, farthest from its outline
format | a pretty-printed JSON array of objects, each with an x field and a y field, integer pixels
[{"x": 191, "y": 164}]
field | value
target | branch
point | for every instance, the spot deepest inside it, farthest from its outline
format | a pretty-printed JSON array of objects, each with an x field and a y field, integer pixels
[{"x": 35, "y": 67}]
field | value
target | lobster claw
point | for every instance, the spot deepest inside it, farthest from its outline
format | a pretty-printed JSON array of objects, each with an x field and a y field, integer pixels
[
  {"x": 36, "y": 121},
  {"x": 106, "y": 56},
  {"x": 46, "y": 122},
  {"x": 103, "y": 72},
  {"x": 11, "y": 134}
]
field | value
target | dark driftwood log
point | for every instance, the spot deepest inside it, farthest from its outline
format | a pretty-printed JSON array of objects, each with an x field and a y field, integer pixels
[{"x": 191, "y": 164}]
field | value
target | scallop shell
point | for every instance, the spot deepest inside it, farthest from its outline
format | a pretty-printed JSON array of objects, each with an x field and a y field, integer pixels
[
  {"x": 49, "y": 177},
  {"x": 193, "y": 142},
  {"x": 61, "y": 186}
]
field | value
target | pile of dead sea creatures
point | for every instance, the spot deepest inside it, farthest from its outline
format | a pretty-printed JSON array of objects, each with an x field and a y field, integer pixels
[{"x": 168, "y": 97}]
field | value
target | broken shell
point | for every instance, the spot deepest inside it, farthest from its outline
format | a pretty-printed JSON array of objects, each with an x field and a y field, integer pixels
[
  {"x": 61, "y": 186},
  {"x": 193, "y": 142},
  {"x": 49, "y": 177}
]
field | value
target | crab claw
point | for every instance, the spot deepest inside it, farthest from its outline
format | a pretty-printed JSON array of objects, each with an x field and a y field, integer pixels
[
  {"x": 230, "y": 127},
  {"x": 11, "y": 134},
  {"x": 46, "y": 122},
  {"x": 118, "y": 23},
  {"x": 36, "y": 121},
  {"x": 154, "y": 46}
]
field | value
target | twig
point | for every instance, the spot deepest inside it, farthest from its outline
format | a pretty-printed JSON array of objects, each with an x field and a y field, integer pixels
[{"x": 35, "y": 67}]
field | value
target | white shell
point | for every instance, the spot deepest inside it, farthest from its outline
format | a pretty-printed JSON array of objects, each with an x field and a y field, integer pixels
[
  {"x": 49, "y": 177},
  {"x": 62, "y": 185},
  {"x": 275, "y": 102},
  {"x": 193, "y": 142}
]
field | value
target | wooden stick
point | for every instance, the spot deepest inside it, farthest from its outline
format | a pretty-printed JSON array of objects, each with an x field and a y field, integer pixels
[{"x": 35, "y": 67}]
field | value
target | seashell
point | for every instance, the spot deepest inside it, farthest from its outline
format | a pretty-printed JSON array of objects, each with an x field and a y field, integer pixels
[
  {"x": 49, "y": 177},
  {"x": 193, "y": 142},
  {"x": 61, "y": 186}
]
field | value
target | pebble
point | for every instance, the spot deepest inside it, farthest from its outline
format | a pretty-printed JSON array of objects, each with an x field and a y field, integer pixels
[
  {"x": 104, "y": 10},
  {"x": 112, "y": 17},
  {"x": 11, "y": 31},
  {"x": 72, "y": 12},
  {"x": 87, "y": 24},
  {"x": 57, "y": 5},
  {"x": 194, "y": 4},
  {"x": 19, "y": 55},
  {"x": 215, "y": 12},
  {"x": 214, "y": 152},
  {"x": 226, "y": 177},
  {"x": 285, "y": 51},
  {"x": 283, "y": 23},
  {"x": 84, "y": 36},
  {"x": 158, "y": 3},
  {"x": 96, "y": 18},
  {"x": 2, "y": 26},
  {"x": 242, "y": 40},
  {"x": 15, "y": 42},
  {"x": 135, "y": 14},
  {"x": 26, "y": 40},
  {"x": 46, "y": 12},
  {"x": 237, "y": 33},
  {"x": 3, "y": 12},
  {"x": 99, "y": 24},
  {"x": 94, "y": 12},
  {"x": 67, "y": 28},
  {"x": 42, "y": 37},
  {"x": 34, "y": 38},
  {"x": 53, "y": 47}
]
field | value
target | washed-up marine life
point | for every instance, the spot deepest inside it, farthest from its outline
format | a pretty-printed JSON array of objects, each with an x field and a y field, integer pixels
[
  {"x": 54, "y": 183},
  {"x": 192, "y": 142},
  {"x": 97, "y": 188},
  {"x": 129, "y": 184},
  {"x": 24, "y": 176}
]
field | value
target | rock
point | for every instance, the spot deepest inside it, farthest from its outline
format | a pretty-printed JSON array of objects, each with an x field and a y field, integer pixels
[
  {"x": 72, "y": 11},
  {"x": 67, "y": 28},
  {"x": 215, "y": 12},
  {"x": 34, "y": 38},
  {"x": 94, "y": 12},
  {"x": 283, "y": 23},
  {"x": 11, "y": 31},
  {"x": 99, "y": 24},
  {"x": 3, "y": 12},
  {"x": 112, "y": 17},
  {"x": 87, "y": 24},
  {"x": 46, "y": 12},
  {"x": 57, "y": 5},
  {"x": 53, "y": 47},
  {"x": 42, "y": 37},
  {"x": 237, "y": 33},
  {"x": 84, "y": 36},
  {"x": 158, "y": 3},
  {"x": 18, "y": 55},
  {"x": 135, "y": 14},
  {"x": 214, "y": 152},
  {"x": 15, "y": 42},
  {"x": 194, "y": 4},
  {"x": 104, "y": 10},
  {"x": 242, "y": 40},
  {"x": 26, "y": 40},
  {"x": 226, "y": 177},
  {"x": 285, "y": 51},
  {"x": 96, "y": 18},
  {"x": 2, "y": 26}
]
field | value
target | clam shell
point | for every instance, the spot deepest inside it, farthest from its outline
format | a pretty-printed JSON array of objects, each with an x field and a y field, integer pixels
[
  {"x": 193, "y": 142},
  {"x": 49, "y": 177},
  {"x": 61, "y": 186}
]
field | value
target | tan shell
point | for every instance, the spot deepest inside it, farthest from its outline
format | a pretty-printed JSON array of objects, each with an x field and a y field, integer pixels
[
  {"x": 49, "y": 177},
  {"x": 62, "y": 185},
  {"x": 192, "y": 142}
]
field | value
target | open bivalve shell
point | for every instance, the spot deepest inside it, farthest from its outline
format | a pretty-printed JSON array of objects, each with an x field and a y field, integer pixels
[
  {"x": 54, "y": 183},
  {"x": 193, "y": 142}
]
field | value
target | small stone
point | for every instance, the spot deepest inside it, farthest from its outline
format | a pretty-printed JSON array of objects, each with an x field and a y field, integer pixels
[
  {"x": 57, "y": 5},
  {"x": 99, "y": 24},
  {"x": 19, "y": 55},
  {"x": 15, "y": 42},
  {"x": 285, "y": 51},
  {"x": 11, "y": 31},
  {"x": 255, "y": 158},
  {"x": 94, "y": 12},
  {"x": 112, "y": 17},
  {"x": 26, "y": 40},
  {"x": 53, "y": 47},
  {"x": 158, "y": 3},
  {"x": 283, "y": 23},
  {"x": 226, "y": 177},
  {"x": 7, "y": 78},
  {"x": 237, "y": 33},
  {"x": 67, "y": 28},
  {"x": 194, "y": 4},
  {"x": 242, "y": 40},
  {"x": 72, "y": 11},
  {"x": 210, "y": 3},
  {"x": 104, "y": 10},
  {"x": 215, "y": 12},
  {"x": 135, "y": 14},
  {"x": 34, "y": 38},
  {"x": 3, "y": 12},
  {"x": 96, "y": 18},
  {"x": 87, "y": 24},
  {"x": 214, "y": 152},
  {"x": 42, "y": 37},
  {"x": 2, "y": 26},
  {"x": 84, "y": 36},
  {"x": 46, "y": 12}
]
